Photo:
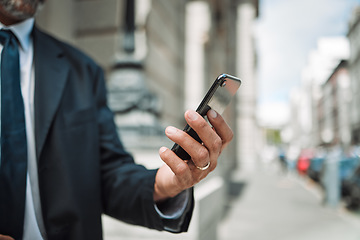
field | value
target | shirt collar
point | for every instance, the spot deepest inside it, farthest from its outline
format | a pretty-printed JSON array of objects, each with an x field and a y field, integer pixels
[{"x": 22, "y": 31}]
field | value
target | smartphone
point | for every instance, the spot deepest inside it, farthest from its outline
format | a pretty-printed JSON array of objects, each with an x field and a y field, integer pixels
[{"x": 217, "y": 98}]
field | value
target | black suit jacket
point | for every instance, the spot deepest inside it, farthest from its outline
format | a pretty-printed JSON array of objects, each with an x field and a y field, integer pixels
[{"x": 83, "y": 168}]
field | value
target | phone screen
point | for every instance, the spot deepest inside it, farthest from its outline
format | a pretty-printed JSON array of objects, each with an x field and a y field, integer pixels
[{"x": 217, "y": 98}]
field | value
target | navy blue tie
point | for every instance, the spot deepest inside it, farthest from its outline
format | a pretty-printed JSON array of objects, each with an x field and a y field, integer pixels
[{"x": 13, "y": 163}]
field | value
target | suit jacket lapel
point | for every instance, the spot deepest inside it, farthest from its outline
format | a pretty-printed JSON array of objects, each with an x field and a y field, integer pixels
[{"x": 51, "y": 72}]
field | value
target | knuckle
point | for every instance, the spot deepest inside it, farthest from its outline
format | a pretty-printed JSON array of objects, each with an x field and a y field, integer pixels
[
  {"x": 181, "y": 169},
  {"x": 230, "y": 137},
  {"x": 188, "y": 182},
  {"x": 179, "y": 135},
  {"x": 183, "y": 178},
  {"x": 203, "y": 124},
  {"x": 198, "y": 178},
  {"x": 217, "y": 143},
  {"x": 165, "y": 155},
  {"x": 213, "y": 166},
  {"x": 203, "y": 153}
]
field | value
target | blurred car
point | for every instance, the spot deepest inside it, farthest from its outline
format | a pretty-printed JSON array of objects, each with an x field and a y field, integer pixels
[
  {"x": 351, "y": 190},
  {"x": 315, "y": 168},
  {"x": 303, "y": 162},
  {"x": 347, "y": 167}
]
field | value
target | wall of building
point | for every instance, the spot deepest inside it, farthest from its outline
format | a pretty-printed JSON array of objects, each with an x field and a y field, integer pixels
[
  {"x": 354, "y": 70},
  {"x": 178, "y": 67},
  {"x": 164, "y": 63},
  {"x": 335, "y": 109},
  {"x": 246, "y": 64},
  {"x": 317, "y": 106}
]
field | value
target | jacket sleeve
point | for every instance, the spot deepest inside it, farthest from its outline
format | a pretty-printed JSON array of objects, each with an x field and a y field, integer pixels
[{"x": 127, "y": 188}]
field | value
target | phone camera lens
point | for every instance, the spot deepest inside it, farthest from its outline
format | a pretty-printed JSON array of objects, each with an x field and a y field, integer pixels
[{"x": 223, "y": 84}]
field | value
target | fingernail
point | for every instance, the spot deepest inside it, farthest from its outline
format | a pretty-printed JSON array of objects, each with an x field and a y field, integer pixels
[
  {"x": 171, "y": 130},
  {"x": 162, "y": 149},
  {"x": 192, "y": 115},
  {"x": 212, "y": 113}
]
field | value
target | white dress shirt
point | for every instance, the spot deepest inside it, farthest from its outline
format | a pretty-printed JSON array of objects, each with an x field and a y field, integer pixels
[{"x": 33, "y": 222}]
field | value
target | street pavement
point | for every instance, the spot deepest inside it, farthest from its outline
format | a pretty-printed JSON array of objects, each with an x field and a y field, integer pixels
[
  {"x": 271, "y": 205},
  {"x": 284, "y": 206}
]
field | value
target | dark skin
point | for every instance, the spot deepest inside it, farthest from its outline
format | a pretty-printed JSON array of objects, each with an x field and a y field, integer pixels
[
  {"x": 176, "y": 175},
  {"x": 3, "y": 237},
  {"x": 7, "y": 20},
  {"x": 185, "y": 175}
]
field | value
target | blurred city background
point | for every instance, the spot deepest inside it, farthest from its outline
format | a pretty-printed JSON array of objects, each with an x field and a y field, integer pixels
[{"x": 292, "y": 170}]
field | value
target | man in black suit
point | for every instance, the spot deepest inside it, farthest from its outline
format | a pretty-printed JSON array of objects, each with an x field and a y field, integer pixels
[{"x": 77, "y": 168}]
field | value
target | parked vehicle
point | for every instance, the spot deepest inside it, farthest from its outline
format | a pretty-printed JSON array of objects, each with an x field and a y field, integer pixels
[
  {"x": 347, "y": 167},
  {"x": 315, "y": 168},
  {"x": 303, "y": 161},
  {"x": 351, "y": 190}
]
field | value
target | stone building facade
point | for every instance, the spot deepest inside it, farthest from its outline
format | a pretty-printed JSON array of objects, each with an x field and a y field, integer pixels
[
  {"x": 333, "y": 109},
  {"x": 180, "y": 47},
  {"x": 354, "y": 71}
]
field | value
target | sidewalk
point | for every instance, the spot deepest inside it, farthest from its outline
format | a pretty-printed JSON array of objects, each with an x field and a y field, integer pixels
[
  {"x": 275, "y": 206},
  {"x": 271, "y": 206}
]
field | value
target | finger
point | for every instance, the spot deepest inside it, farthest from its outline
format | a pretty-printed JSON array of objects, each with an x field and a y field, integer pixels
[
  {"x": 221, "y": 127},
  {"x": 199, "y": 153},
  {"x": 176, "y": 164},
  {"x": 210, "y": 138},
  {"x": 175, "y": 176},
  {"x": 3, "y": 237},
  {"x": 169, "y": 180}
]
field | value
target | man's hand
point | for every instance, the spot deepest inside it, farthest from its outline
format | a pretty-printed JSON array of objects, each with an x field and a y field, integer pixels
[
  {"x": 178, "y": 175},
  {"x": 3, "y": 237}
]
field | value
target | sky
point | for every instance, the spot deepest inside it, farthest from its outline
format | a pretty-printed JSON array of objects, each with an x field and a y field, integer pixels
[{"x": 286, "y": 32}]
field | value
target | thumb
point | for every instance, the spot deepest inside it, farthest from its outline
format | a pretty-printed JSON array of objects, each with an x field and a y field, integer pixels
[{"x": 3, "y": 237}]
